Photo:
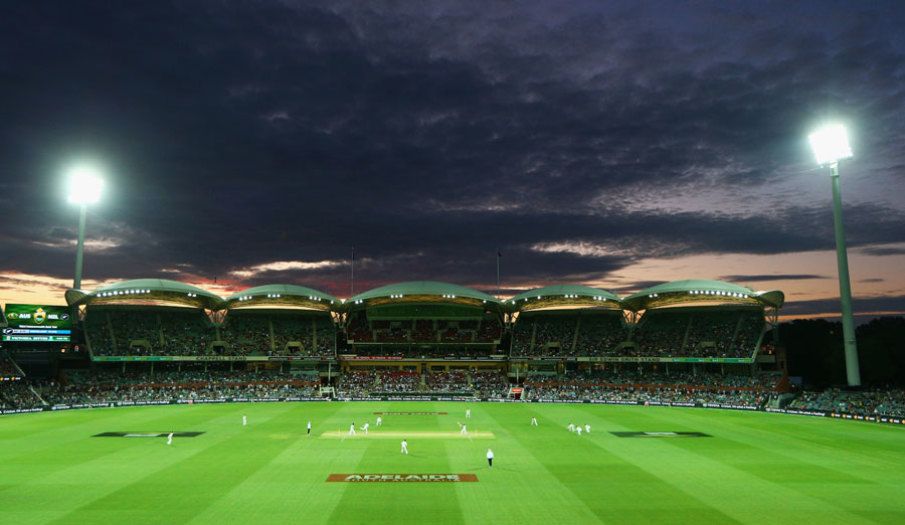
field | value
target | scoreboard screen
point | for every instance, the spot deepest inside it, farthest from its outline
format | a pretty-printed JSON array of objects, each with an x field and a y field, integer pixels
[{"x": 31, "y": 323}]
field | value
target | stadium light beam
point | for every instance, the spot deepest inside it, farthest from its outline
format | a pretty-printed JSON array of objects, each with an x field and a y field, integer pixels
[
  {"x": 830, "y": 145},
  {"x": 85, "y": 188}
]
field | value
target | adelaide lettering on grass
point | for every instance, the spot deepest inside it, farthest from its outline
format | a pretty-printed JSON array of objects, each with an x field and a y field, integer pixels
[{"x": 401, "y": 478}]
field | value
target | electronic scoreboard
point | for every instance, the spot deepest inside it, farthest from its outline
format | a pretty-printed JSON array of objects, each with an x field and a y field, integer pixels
[{"x": 30, "y": 323}]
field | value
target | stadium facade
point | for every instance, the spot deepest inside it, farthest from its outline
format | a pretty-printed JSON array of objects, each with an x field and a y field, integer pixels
[{"x": 412, "y": 325}]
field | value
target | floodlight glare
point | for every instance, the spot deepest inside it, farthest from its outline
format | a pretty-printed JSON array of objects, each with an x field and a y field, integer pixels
[
  {"x": 830, "y": 144},
  {"x": 85, "y": 185}
]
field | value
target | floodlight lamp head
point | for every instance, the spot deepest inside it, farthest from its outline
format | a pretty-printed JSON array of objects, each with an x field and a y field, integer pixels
[
  {"x": 85, "y": 185},
  {"x": 830, "y": 144}
]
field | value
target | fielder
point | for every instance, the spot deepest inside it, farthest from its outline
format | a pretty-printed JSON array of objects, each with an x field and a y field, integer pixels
[
  {"x": 464, "y": 430},
  {"x": 379, "y": 421},
  {"x": 405, "y": 447},
  {"x": 170, "y": 438},
  {"x": 571, "y": 427},
  {"x": 244, "y": 420},
  {"x": 578, "y": 429},
  {"x": 489, "y": 458},
  {"x": 365, "y": 428},
  {"x": 352, "y": 429},
  {"x": 309, "y": 427},
  {"x": 467, "y": 413},
  {"x": 533, "y": 421},
  {"x": 587, "y": 428}
]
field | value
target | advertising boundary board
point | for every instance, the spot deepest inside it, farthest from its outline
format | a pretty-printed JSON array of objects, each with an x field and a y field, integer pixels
[{"x": 890, "y": 420}]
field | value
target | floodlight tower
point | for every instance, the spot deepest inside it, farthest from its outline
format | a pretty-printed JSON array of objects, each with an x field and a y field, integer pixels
[
  {"x": 85, "y": 186},
  {"x": 830, "y": 145}
]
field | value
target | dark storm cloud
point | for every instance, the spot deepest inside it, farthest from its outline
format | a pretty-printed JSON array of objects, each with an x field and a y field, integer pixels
[
  {"x": 882, "y": 251},
  {"x": 862, "y": 305},
  {"x": 772, "y": 277},
  {"x": 429, "y": 136}
]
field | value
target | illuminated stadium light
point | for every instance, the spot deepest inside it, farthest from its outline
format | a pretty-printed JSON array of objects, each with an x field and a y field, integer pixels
[
  {"x": 85, "y": 185},
  {"x": 830, "y": 144}
]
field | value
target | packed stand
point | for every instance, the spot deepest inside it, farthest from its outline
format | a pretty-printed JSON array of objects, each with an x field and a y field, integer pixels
[
  {"x": 652, "y": 387},
  {"x": 697, "y": 333},
  {"x": 364, "y": 383},
  {"x": 862, "y": 403},
  {"x": 18, "y": 395},
  {"x": 598, "y": 335},
  {"x": 245, "y": 334},
  {"x": 424, "y": 331},
  {"x": 108, "y": 386}
]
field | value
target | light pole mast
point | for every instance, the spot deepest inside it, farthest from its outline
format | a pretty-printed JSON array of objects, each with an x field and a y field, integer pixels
[
  {"x": 80, "y": 248},
  {"x": 852, "y": 369},
  {"x": 830, "y": 145}
]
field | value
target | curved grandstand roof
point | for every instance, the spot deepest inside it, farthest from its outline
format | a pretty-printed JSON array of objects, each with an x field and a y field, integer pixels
[
  {"x": 146, "y": 291},
  {"x": 281, "y": 295},
  {"x": 564, "y": 295},
  {"x": 419, "y": 291},
  {"x": 700, "y": 290}
]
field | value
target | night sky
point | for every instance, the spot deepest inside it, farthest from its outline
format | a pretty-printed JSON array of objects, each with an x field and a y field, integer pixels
[{"x": 615, "y": 145}]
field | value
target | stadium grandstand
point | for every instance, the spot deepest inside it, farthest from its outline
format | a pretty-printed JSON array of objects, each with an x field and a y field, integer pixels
[
  {"x": 663, "y": 333},
  {"x": 566, "y": 321},
  {"x": 279, "y": 320},
  {"x": 699, "y": 320},
  {"x": 423, "y": 338},
  {"x": 135, "y": 319},
  {"x": 424, "y": 319}
]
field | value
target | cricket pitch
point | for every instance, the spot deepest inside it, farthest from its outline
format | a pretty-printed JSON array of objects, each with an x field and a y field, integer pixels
[{"x": 378, "y": 434}]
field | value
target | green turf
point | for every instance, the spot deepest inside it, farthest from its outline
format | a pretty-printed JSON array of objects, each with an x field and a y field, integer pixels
[{"x": 756, "y": 467}]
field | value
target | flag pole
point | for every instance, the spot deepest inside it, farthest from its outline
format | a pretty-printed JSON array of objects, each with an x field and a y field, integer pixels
[
  {"x": 352, "y": 281},
  {"x": 498, "y": 255}
]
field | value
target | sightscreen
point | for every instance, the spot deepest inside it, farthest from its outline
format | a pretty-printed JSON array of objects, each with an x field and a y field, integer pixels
[{"x": 37, "y": 323}]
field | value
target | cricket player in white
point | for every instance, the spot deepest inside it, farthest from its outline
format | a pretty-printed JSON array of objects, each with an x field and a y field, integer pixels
[
  {"x": 533, "y": 421},
  {"x": 352, "y": 429},
  {"x": 170, "y": 438},
  {"x": 365, "y": 428},
  {"x": 464, "y": 430},
  {"x": 467, "y": 413},
  {"x": 571, "y": 427},
  {"x": 379, "y": 421},
  {"x": 244, "y": 420},
  {"x": 587, "y": 428},
  {"x": 578, "y": 429},
  {"x": 489, "y": 458},
  {"x": 405, "y": 447},
  {"x": 309, "y": 427}
]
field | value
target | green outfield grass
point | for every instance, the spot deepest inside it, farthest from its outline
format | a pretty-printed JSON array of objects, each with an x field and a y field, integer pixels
[{"x": 754, "y": 467}]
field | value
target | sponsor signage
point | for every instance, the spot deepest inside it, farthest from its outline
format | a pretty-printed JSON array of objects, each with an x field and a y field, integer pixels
[
  {"x": 401, "y": 478},
  {"x": 166, "y": 358},
  {"x": 726, "y": 360}
]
